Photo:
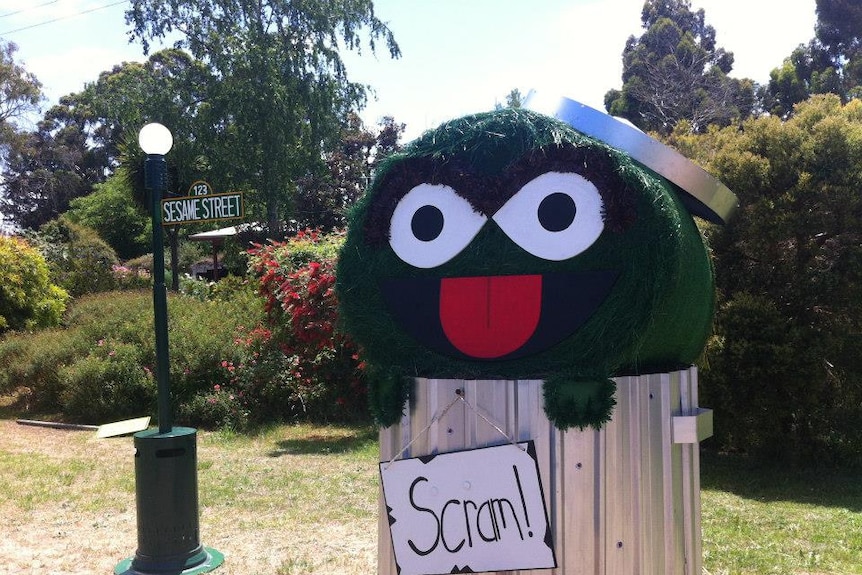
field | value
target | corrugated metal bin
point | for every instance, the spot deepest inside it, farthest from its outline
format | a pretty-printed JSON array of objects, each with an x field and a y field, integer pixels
[{"x": 622, "y": 500}]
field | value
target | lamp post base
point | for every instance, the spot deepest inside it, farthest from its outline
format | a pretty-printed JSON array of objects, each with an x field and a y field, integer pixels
[
  {"x": 166, "y": 493},
  {"x": 203, "y": 562}
]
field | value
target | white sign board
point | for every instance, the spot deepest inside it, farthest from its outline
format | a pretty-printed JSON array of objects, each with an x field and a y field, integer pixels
[{"x": 468, "y": 512}]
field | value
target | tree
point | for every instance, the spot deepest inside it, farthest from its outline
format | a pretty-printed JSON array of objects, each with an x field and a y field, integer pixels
[
  {"x": 20, "y": 93},
  {"x": 170, "y": 87},
  {"x": 281, "y": 87},
  {"x": 79, "y": 141},
  {"x": 830, "y": 63},
  {"x": 783, "y": 368},
  {"x": 839, "y": 31},
  {"x": 514, "y": 99},
  {"x": 80, "y": 261},
  {"x": 323, "y": 198},
  {"x": 45, "y": 170},
  {"x": 112, "y": 212},
  {"x": 675, "y": 72}
]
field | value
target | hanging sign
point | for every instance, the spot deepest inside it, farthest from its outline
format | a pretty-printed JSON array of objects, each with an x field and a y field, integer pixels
[
  {"x": 468, "y": 512},
  {"x": 202, "y": 208}
]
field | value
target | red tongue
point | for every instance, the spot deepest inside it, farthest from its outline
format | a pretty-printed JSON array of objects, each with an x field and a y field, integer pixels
[{"x": 490, "y": 316}]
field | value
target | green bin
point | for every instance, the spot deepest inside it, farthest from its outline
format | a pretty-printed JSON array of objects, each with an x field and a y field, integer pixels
[{"x": 167, "y": 506}]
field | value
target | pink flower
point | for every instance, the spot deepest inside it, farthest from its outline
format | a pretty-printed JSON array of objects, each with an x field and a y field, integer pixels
[
  {"x": 217, "y": 387},
  {"x": 100, "y": 343},
  {"x": 112, "y": 353}
]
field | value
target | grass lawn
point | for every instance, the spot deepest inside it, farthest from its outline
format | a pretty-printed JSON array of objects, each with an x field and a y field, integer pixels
[
  {"x": 759, "y": 520},
  {"x": 287, "y": 501},
  {"x": 297, "y": 500}
]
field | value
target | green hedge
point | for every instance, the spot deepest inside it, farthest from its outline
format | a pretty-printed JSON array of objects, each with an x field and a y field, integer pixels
[{"x": 99, "y": 367}]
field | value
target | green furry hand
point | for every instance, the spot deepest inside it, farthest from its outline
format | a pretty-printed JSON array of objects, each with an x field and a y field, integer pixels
[
  {"x": 570, "y": 402},
  {"x": 388, "y": 392}
]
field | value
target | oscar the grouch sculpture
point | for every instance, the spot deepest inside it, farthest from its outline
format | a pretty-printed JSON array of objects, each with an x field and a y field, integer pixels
[{"x": 509, "y": 245}]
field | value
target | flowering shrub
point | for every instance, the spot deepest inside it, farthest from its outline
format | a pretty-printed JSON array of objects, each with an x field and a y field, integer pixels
[
  {"x": 197, "y": 288},
  {"x": 129, "y": 278},
  {"x": 299, "y": 365}
]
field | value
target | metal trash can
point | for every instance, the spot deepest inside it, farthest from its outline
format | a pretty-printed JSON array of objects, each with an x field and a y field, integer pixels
[
  {"x": 167, "y": 506},
  {"x": 623, "y": 499}
]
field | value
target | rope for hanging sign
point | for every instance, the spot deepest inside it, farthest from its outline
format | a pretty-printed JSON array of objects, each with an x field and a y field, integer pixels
[{"x": 459, "y": 396}]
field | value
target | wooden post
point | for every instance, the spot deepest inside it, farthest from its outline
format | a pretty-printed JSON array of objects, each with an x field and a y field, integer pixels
[{"x": 625, "y": 499}]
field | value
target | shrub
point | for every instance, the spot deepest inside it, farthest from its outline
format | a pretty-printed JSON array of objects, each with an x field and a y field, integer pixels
[
  {"x": 131, "y": 278},
  {"x": 73, "y": 370},
  {"x": 108, "y": 384},
  {"x": 215, "y": 409},
  {"x": 761, "y": 377},
  {"x": 81, "y": 262},
  {"x": 196, "y": 288},
  {"x": 203, "y": 334},
  {"x": 300, "y": 366},
  {"x": 111, "y": 211},
  {"x": 236, "y": 359},
  {"x": 27, "y": 297},
  {"x": 29, "y": 364}
]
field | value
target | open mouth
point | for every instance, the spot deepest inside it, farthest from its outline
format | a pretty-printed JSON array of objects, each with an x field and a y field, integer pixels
[{"x": 496, "y": 317}]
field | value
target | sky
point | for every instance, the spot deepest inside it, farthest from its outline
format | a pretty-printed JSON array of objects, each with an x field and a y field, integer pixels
[{"x": 458, "y": 56}]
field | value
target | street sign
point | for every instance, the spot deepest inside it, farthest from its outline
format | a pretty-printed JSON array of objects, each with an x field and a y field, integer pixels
[{"x": 203, "y": 208}]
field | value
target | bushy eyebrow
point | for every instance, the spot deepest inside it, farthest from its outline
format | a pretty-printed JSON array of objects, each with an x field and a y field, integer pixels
[{"x": 487, "y": 193}]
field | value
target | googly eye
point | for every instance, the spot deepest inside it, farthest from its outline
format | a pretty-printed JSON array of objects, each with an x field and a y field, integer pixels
[
  {"x": 431, "y": 225},
  {"x": 554, "y": 216}
]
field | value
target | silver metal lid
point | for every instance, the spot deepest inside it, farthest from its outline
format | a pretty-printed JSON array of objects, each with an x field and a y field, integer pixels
[{"x": 703, "y": 195}]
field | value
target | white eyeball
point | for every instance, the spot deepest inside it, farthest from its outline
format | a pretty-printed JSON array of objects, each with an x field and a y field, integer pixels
[
  {"x": 554, "y": 216},
  {"x": 431, "y": 225}
]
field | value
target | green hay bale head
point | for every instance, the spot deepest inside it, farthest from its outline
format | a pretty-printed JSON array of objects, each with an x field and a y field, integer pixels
[{"x": 507, "y": 245}]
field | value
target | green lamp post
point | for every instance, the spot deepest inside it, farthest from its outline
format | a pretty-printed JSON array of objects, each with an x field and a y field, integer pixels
[{"x": 166, "y": 488}]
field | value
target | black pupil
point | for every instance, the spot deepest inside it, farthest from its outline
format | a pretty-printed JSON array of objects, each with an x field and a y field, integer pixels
[
  {"x": 427, "y": 223},
  {"x": 557, "y": 212}
]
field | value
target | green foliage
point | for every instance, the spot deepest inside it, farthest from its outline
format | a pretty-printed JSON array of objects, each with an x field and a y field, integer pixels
[
  {"x": 759, "y": 384},
  {"x": 274, "y": 60},
  {"x": 131, "y": 278},
  {"x": 21, "y": 92},
  {"x": 108, "y": 384},
  {"x": 111, "y": 211},
  {"x": 101, "y": 364},
  {"x": 28, "y": 299},
  {"x": 81, "y": 262},
  {"x": 830, "y": 63},
  {"x": 324, "y": 196},
  {"x": 20, "y": 96},
  {"x": 783, "y": 370},
  {"x": 29, "y": 366}
]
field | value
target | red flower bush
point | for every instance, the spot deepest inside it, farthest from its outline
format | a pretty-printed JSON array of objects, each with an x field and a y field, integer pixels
[{"x": 299, "y": 365}]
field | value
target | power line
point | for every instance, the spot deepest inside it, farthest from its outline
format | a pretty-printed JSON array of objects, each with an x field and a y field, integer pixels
[
  {"x": 28, "y": 8},
  {"x": 46, "y": 22}
]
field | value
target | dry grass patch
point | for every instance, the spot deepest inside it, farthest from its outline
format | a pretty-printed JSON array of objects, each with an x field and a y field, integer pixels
[{"x": 289, "y": 500}]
